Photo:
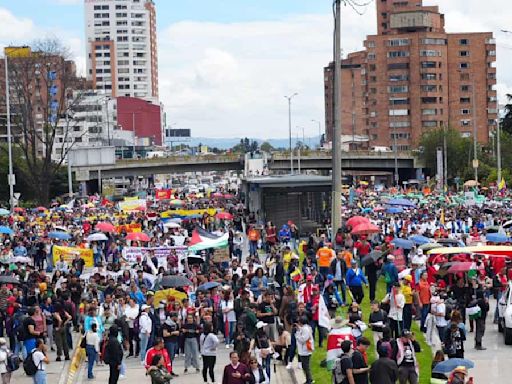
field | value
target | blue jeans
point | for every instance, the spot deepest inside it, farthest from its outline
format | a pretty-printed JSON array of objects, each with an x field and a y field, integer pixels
[
  {"x": 424, "y": 312},
  {"x": 144, "y": 339},
  {"x": 40, "y": 377},
  {"x": 496, "y": 313},
  {"x": 265, "y": 362},
  {"x": 91, "y": 358},
  {"x": 231, "y": 330},
  {"x": 172, "y": 349},
  {"x": 28, "y": 346},
  {"x": 253, "y": 248}
]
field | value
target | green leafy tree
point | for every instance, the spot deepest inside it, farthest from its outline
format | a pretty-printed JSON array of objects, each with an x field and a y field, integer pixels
[
  {"x": 266, "y": 147},
  {"x": 506, "y": 121}
]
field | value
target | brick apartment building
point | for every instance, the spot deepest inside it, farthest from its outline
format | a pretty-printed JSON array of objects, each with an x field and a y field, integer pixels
[{"x": 413, "y": 77}]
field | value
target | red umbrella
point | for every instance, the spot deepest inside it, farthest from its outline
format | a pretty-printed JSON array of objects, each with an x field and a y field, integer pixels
[
  {"x": 356, "y": 220},
  {"x": 137, "y": 236},
  {"x": 217, "y": 195},
  {"x": 457, "y": 267},
  {"x": 224, "y": 216},
  {"x": 19, "y": 209},
  {"x": 41, "y": 209},
  {"x": 365, "y": 229},
  {"x": 105, "y": 227},
  {"x": 229, "y": 196}
]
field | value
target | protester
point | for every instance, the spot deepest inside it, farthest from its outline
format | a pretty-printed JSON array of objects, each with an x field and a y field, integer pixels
[
  {"x": 40, "y": 357},
  {"x": 209, "y": 343},
  {"x": 92, "y": 348},
  {"x": 383, "y": 370},
  {"x": 235, "y": 372},
  {"x": 5, "y": 372},
  {"x": 158, "y": 372},
  {"x": 305, "y": 347}
]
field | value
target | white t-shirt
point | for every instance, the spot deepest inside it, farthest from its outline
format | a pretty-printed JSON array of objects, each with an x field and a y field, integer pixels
[
  {"x": 38, "y": 358},
  {"x": 231, "y": 315},
  {"x": 440, "y": 320}
]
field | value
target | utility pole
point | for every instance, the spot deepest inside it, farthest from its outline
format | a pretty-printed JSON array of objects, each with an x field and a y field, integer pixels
[
  {"x": 445, "y": 159},
  {"x": 498, "y": 149},
  {"x": 10, "y": 177},
  {"x": 289, "y": 98},
  {"x": 319, "y": 131},
  {"x": 336, "y": 137},
  {"x": 70, "y": 174}
]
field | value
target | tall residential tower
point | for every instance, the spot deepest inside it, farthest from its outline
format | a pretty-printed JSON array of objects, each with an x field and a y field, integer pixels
[
  {"x": 413, "y": 77},
  {"x": 121, "y": 47}
]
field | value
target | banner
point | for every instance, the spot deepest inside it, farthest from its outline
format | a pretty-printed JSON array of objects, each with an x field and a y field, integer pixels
[
  {"x": 132, "y": 198},
  {"x": 135, "y": 254},
  {"x": 132, "y": 205},
  {"x": 189, "y": 212},
  {"x": 129, "y": 228},
  {"x": 70, "y": 253},
  {"x": 163, "y": 194},
  {"x": 324, "y": 320}
]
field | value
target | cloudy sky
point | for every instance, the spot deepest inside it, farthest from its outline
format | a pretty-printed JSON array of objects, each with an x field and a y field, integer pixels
[{"x": 226, "y": 65}]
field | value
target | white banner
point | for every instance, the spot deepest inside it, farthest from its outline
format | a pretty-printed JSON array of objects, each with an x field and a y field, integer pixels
[{"x": 136, "y": 254}]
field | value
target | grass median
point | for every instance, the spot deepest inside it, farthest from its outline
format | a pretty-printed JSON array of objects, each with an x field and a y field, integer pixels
[{"x": 322, "y": 375}]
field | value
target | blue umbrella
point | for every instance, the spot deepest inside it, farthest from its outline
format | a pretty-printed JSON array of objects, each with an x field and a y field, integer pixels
[
  {"x": 208, "y": 286},
  {"x": 394, "y": 210},
  {"x": 366, "y": 210},
  {"x": 402, "y": 243},
  {"x": 4, "y": 212},
  {"x": 401, "y": 202},
  {"x": 496, "y": 238},
  {"x": 6, "y": 230},
  {"x": 449, "y": 365},
  {"x": 59, "y": 235},
  {"x": 420, "y": 240}
]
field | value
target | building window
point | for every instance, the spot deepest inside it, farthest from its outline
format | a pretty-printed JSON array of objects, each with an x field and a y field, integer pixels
[
  {"x": 371, "y": 56},
  {"x": 429, "y": 76},
  {"x": 398, "y": 101},
  {"x": 465, "y": 100},
  {"x": 465, "y": 88},
  {"x": 464, "y": 76},
  {"x": 428, "y": 64},
  {"x": 399, "y": 124},
  {"x": 392, "y": 54},
  {"x": 429, "y": 124},
  {"x": 429, "y": 100},
  {"x": 433, "y": 41},
  {"x": 429, "y": 88},
  {"x": 370, "y": 44},
  {"x": 400, "y": 136},
  {"x": 464, "y": 42},
  {"x": 398, "y": 77},
  {"x": 398, "y": 112},
  {"x": 463, "y": 65},
  {"x": 430, "y": 112},
  {"x": 465, "y": 111},
  {"x": 463, "y": 53},
  {"x": 491, "y": 53},
  {"x": 398, "y": 89},
  {"x": 491, "y": 122},
  {"x": 396, "y": 66},
  {"x": 121, "y": 14},
  {"x": 465, "y": 123},
  {"x": 430, "y": 53},
  {"x": 398, "y": 42}
]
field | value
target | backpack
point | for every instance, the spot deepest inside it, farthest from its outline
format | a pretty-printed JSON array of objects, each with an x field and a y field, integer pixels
[
  {"x": 337, "y": 372},
  {"x": 29, "y": 366},
  {"x": 19, "y": 327},
  {"x": 13, "y": 362}
]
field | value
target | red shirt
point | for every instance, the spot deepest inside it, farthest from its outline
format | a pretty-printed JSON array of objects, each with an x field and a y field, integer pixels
[
  {"x": 363, "y": 248},
  {"x": 315, "y": 303},
  {"x": 153, "y": 352}
]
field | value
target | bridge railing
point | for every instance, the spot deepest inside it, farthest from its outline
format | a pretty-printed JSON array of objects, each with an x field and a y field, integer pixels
[
  {"x": 182, "y": 159},
  {"x": 348, "y": 154}
]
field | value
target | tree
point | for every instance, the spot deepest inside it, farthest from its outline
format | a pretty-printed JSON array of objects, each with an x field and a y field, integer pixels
[
  {"x": 44, "y": 89},
  {"x": 506, "y": 121},
  {"x": 266, "y": 147},
  {"x": 459, "y": 149}
]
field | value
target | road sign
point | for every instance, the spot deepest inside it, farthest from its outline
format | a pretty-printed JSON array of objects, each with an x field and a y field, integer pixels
[{"x": 475, "y": 163}]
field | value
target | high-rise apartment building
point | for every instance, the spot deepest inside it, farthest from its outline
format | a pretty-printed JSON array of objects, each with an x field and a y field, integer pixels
[
  {"x": 413, "y": 77},
  {"x": 121, "y": 47}
]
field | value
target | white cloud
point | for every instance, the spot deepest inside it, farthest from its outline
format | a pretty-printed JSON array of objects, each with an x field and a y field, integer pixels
[{"x": 14, "y": 28}]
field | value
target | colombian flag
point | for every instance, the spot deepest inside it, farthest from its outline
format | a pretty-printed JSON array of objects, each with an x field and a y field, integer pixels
[{"x": 502, "y": 185}]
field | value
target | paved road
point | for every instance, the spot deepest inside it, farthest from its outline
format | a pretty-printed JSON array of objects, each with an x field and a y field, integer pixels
[{"x": 493, "y": 366}]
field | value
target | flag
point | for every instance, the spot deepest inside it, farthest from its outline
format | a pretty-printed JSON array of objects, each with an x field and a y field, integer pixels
[
  {"x": 502, "y": 185},
  {"x": 324, "y": 320},
  {"x": 334, "y": 340},
  {"x": 442, "y": 217}
]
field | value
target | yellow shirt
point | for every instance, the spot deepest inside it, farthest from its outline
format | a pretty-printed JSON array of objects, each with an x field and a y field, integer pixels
[
  {"x": 287, "y": 258},
  {"x": 407, "y": 292}
]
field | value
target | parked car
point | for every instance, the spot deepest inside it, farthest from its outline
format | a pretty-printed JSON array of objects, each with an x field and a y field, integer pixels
[{"x": 505, "y": 314}]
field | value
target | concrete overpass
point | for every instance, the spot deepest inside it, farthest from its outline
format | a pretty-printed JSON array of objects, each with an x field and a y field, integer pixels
[{"x": 360, "y": 160}]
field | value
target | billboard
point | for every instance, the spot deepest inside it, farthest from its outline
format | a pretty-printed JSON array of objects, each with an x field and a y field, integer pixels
[
  {"x": 92, "y": 156},
  {"x": 178, "y": 133}
]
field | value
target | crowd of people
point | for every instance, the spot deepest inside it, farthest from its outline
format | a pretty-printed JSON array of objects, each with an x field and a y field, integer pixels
[{"x": 269, "y": 302}]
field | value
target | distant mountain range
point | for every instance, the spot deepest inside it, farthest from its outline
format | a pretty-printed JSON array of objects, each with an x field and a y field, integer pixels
[{"x": 226, "y": 143}]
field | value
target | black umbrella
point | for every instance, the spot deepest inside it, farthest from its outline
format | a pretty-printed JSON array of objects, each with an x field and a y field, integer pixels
[
  {"x": 9, "y": 280},
  {"x": 174, "y": 281},
  {"x": 371, "y": 258}
]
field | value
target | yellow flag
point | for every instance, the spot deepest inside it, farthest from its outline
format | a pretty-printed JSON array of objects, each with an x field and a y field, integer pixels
[
  {"x": 502, "y": 184},
  {"x": 442, "y": 216}
]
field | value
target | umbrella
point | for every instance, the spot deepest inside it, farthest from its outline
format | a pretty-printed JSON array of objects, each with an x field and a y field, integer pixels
[
  {"x": 229, "y": 196},
  {"x": 429, "y": 246},
  {"x": 17, "y": 210},
  {"x": 402, "y": 243},
  {"x": 365, "y": 229},
  {"x": 105, "y": 227},
  {"x": 177, "y": 203},
  {"x": 59, "y": 235},
  {"x": 496, "y": 238},
  {"x": 356, "y": 220},
  {"x": 97, "y": 237},
  {"x": 41, "y": 209},
  {"x": 507, "y": 224},
  {"x": 137, "y": 236},
  {"x": 462, "y": 266},
  {"x": 8, "y": 280},
  {"x": 493, "y": 229},
  {"x": 174, "y": 281},
  {"x": 420, "y": 240},
  {"x": 224, "y": 216},
  {"x": 217, "y": 195},
  {"x": 6, "y": 230},
  {"x": 172, "y": 224},
  {"x": 401, "y": 202},
  {"x": 371, "y": 258},
  {"x": 404, "y": 273},
  {"x": 471, "y": 183},
  {"x": 449, "y": 365},
  {"x": 208, "y": 286},
  {"x": 394, "y": 210},
  {"x": 4, "y": 212}
]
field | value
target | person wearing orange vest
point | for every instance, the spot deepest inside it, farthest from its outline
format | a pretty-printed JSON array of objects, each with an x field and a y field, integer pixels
[
  {"x": 324, "y": 257},
  {"x": 253, "y": 235}
]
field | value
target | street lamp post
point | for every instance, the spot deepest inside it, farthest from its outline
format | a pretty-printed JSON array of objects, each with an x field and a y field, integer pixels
[
  {"x": 319, "y": 132},
  {"x": 475, "y": 132},
  {"x": 10, "y": 176},
  {"x": 289, "y": 98}
]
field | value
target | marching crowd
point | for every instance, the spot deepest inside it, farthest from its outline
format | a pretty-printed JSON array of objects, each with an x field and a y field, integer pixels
[{"x": 269, "y": 304}]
